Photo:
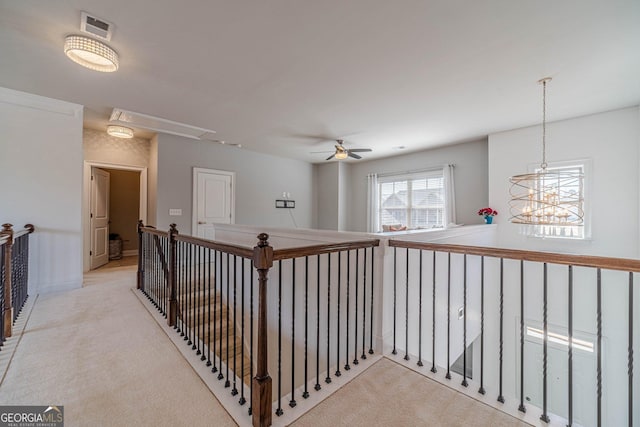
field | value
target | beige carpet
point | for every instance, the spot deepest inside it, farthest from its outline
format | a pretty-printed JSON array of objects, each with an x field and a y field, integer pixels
[
  {"x": 388, "y": 394},
  {"x": 99, "y": 353}
]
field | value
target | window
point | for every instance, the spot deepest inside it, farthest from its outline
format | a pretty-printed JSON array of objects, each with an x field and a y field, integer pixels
[
  {"x": 571, "y": 190},
  {"x": 413, "y": 201}
]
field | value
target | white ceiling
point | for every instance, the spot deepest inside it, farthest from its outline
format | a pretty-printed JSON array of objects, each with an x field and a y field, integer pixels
[{"x": 280, "y": 76}]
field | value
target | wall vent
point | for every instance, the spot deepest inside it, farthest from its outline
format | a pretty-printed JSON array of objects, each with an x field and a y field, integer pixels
[
  {"x": 95, "y": 26},
  {"x": 144, "y": 121}
]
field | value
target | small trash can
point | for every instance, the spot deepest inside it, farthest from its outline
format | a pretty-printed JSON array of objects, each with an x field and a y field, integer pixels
[{"x": 115, "y": 246}]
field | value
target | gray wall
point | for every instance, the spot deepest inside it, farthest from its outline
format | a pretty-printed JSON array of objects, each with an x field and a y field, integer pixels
[
  {"x": 326, "y": 183},
  {"x": 260, "y": 180},
  {"x": 470, "y": 176}
]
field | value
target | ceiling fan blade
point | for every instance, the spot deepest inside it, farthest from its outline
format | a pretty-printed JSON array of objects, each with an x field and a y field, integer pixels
[
  {"x": 360, "y": 150},
  {"x": 331, "y": 156},
  {"x": 355, "y": 156},
  {"x": 321, "y": 152}
]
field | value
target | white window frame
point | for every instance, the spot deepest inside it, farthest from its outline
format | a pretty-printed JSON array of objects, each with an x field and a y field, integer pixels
[
  {"x": 569, "y": 232},
  {"x": 435, "y": 173}
]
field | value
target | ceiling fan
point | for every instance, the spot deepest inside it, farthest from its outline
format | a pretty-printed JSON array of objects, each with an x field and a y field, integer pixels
[{"x": 342, "y": 153}]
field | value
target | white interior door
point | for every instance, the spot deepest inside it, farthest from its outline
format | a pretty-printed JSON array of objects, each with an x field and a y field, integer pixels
[
  {"x": 213, "y": 199},
  {"x": 99, "y": 217}
]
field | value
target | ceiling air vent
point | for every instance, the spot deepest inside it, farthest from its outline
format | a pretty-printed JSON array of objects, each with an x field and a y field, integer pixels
[
  {"x": 95, "y": 26},
  {"x": 144, "y": 121}
]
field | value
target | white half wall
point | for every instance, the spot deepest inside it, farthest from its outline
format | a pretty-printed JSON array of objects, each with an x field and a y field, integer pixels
[{"x": 41, "y": 172}]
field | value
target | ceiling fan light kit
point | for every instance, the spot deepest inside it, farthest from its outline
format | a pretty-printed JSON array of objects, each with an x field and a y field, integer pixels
[{"x": 342, "y": 153}]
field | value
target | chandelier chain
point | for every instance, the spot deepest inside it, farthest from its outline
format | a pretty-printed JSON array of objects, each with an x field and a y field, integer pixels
[{"x": 544, "y": 124}]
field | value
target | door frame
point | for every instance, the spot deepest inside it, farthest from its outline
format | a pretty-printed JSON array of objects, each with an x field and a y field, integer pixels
[
  {"x": 194, "y": 206},
  {"x": 86, "y": 202}
]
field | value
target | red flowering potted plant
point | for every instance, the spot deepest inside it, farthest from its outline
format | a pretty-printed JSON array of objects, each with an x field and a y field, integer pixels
[{"x": 488, "y": 214}]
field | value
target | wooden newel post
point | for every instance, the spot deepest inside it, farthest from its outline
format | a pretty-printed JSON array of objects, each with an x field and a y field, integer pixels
[
  {"x": 261, "y": 401},
  {"x": 140, "y": 255},
  {"x": 172, "y": 314},
  {"x": 7, "y": 230}
]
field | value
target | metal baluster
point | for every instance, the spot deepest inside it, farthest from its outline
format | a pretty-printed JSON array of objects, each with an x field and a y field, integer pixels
[
  {"x": 355, "y": 315},
  {"x": 318, "y": 386},
  {"x": 328, "y": 379},
  {"x": 181, "y": 288},
  {"x": 292, "y": 402},
  {"x": 364, "y": 301},
  {"x": 227, "y": 383},
  {"x": 305, "y": 394},
  {"x": 464, "y": 324},
  {"x": 220, "y": 307},
  {"x": 250, "y": 335},
  {"x": 196, "y": 302},
  {"x": 545, "y": 343},
  {"x": 338, "y": 373},
  {"x": 395, "y": 311},
  {"x": 406, "y": 311},
  {"x": 599, "y": 346},
  {"x": 346, "y": 366},
  {"x": 234, "y": 391},
  {"x": 242, "y": 400},
  {"x": 630, "y": 351},
  {"x": 279, "y": 410},
  {"x": 209, "y": 306},
  {"x": 448, "y": 375},
  {"x": 481, "y": 389},
  {"x": 500, "y": 396},
  {"x": 216, "y": 280},
  {"x": 521, "y": 408},
  {"x": 371, "y": 309},
  {"x": 420, "y": 311},
  {"x": 189, "y": 294},
  {"x": 433, "y": 320},
  {"x": 204, "y": 300},
  {"x": 570, "y": 347}
]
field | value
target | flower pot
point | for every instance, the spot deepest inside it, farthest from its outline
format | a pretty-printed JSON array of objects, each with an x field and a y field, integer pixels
[{"x": 488, "y": 219}]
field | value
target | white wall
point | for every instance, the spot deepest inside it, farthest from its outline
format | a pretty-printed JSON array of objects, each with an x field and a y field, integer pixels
[
  {"x": 470, "y": 177},
  {"x": 611, "y": 141},
  {"x": 260, "y": 180},
  {"x": 41, "y": 172}
]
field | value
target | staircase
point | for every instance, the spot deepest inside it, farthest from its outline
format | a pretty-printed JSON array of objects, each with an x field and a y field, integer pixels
[{"x": 207, "y": 327}]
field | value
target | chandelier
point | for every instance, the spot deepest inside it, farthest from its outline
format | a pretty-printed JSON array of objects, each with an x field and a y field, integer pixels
[{"x": 547, "y": 196}]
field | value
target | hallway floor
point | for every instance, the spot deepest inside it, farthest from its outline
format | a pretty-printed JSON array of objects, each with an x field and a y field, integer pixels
[{"x": 98, "y": 352}]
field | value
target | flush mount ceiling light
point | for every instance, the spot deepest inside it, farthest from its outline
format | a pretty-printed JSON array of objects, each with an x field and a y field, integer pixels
[
  {"x": 91, "y": 53},
  {"x": 546, "y": 197},
  {"x": 120, "y": 131}
]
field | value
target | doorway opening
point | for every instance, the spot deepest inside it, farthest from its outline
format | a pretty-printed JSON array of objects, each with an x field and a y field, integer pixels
[{"x": 115, "y": 198}]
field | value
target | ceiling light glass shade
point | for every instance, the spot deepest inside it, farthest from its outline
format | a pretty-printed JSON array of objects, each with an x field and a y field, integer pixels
[
  {"x": 91, "y": 53},
  {"x": 120, "y": 131},
  {"x": 341, "y": 155},
  {"x": 547, "y": 197}
]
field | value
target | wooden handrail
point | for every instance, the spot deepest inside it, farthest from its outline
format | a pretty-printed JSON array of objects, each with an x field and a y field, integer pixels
[
  {"x": 241, "y": 251},
  {"x": 280, "y": 254},
  {"x": 620, "y": 264},
  {"x": 154, "y": 231}
]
